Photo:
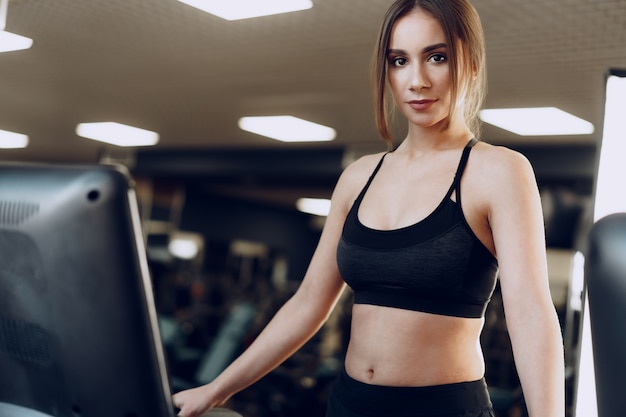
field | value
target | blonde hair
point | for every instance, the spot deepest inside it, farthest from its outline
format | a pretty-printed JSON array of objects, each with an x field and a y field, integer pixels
[{"x": 466, "y": 45}]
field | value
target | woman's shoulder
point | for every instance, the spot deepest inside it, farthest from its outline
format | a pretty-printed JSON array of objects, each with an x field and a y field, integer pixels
[
  {"x": 499, "y": 160},
  {"x": 500, "y": 168},
  {"x": 355, "y": 175},
  {"x": 360, "y": 169}
]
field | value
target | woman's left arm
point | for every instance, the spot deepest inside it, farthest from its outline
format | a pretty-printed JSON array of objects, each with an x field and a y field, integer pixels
[{"x": 516, "y": 220}]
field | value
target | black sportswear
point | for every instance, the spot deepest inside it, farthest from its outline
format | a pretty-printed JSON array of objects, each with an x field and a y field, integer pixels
[{"x": 437, "y": 265}]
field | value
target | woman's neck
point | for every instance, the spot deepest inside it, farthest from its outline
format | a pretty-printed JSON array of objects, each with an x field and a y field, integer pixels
[{"x": 420, "y": 139}]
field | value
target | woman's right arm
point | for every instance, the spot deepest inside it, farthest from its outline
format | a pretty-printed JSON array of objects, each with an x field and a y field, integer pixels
[{"x": 294, "y": 324}]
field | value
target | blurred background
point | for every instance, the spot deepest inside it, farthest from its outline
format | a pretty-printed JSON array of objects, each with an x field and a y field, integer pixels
[{"x": 227, "y": 197}]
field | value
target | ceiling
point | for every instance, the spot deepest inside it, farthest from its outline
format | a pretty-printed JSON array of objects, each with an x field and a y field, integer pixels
[{"x": 165, "y": 66}]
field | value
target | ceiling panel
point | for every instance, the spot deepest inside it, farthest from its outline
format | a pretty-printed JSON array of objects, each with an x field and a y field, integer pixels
[{"x": 165, "y": 66}]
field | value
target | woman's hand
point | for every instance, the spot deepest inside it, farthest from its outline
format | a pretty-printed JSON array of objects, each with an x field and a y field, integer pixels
[{"x": 196, "y": 401}]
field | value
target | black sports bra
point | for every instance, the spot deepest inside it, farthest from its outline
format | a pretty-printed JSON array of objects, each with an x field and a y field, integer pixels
[{"x": 437, "y": 265}]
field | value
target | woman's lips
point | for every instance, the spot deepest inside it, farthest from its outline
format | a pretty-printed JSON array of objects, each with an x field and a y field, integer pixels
[{"x": 421, "y": 104}]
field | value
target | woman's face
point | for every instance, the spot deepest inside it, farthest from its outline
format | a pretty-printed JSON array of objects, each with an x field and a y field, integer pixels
[{"x": 418, "y": 69}]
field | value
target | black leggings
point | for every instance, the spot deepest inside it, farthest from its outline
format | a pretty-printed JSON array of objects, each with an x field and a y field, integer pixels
[{"x": 352, "y": 398}]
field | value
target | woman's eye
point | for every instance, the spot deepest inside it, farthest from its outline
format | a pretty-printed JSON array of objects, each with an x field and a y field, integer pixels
[
  {"x": 398, "y": 61},
  {"x": 437, "y": 58}
]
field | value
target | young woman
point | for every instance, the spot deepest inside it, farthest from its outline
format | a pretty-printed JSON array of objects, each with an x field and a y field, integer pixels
[{"x": 419, "y": 234}]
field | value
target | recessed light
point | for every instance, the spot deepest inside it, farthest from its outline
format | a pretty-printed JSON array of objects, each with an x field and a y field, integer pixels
[
  {"x": 245, "y": 9},
  {"x": 12, "y": 140},
  {"x": 185, "y": 245},
  {"x": 287, "y": 129},
  {"x": 537, "y": 121},
  {"x": 117, "y": 134},
  {"x": 12, "y": 42},
  {"x": 316, "y": 206}
]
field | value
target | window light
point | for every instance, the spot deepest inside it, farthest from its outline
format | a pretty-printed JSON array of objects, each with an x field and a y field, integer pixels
[
  {"x": 611, "y": 168},
  {"x": 608, "y": 200},
  {"x": 11, "y": 140},
  {"x": 287, "y": 129},
  {"x": 316, "y": 206},
  {"x": 117, "y": 134},
  {"x": 537, "y": 121},
  {"x": 244, "y": 9}
]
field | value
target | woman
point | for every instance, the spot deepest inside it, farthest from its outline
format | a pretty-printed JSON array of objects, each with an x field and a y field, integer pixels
[{"x": 420, "y": 233}]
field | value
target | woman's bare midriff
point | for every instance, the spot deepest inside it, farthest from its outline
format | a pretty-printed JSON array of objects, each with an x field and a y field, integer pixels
[{"x": 395, "y": 347}]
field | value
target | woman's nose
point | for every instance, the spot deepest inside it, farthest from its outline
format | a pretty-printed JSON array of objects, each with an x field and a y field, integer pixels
[{"x": 419, "y": 78}]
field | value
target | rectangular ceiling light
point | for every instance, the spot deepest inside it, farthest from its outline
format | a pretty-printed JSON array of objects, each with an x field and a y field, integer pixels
[
  {"x": 537, "y": 121},
  {"x": 287, "y": 129},
  {"x": 11, "y": 140},
  {"x": 245, "y": 9},
  {"x": 12, "y": 42},
  {"x": 117, "y": 134}
]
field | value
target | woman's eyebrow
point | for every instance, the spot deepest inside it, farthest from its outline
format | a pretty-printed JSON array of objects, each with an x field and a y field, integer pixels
[
  {"x": 434, "y": 47},
  {"x": 396, "y": 52},
  {"x": 425, "y": 50}
]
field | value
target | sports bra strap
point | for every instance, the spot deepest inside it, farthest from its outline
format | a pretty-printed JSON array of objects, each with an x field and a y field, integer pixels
[
  {"x": 369, "y": 181},
  {"x": 456, "y": 186},
  {"x": 380, "y": 163}
]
